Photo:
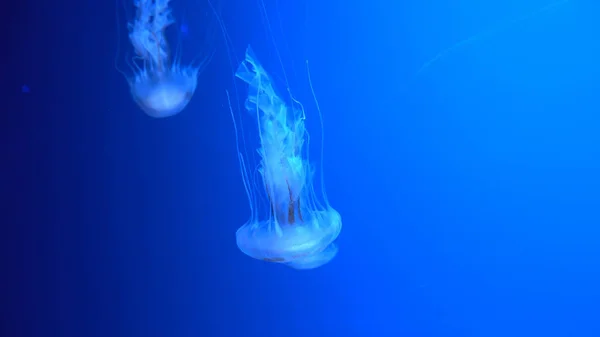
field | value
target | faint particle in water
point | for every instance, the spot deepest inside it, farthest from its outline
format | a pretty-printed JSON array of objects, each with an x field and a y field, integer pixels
[
  {"x": 25, "y": 89},
  {"x": 184, "y": 29},
  {"x": 488, "y": 33}
]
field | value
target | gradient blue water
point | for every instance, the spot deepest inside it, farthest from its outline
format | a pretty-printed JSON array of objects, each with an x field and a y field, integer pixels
[{"x": 469, "y": 193}]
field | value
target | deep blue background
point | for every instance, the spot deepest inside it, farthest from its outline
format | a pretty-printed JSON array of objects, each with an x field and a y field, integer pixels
[{"x": 469, "y": 193}]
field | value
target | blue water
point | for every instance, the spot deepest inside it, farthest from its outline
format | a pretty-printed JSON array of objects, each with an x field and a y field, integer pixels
[{"x": 468, "y": 191}]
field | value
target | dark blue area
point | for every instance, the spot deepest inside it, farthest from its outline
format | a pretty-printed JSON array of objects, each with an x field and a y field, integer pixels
[{"x": 469, "y": 193}]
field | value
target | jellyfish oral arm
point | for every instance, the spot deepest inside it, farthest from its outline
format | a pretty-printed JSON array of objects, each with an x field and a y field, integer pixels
[
  {"x": 146, "y": 32},
  {"x": 281, "y": 134}
]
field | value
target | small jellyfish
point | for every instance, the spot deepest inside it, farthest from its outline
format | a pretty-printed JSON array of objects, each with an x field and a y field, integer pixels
[
  {"x": 160, "y": 87},
  {"x": 298, "y": 229}
]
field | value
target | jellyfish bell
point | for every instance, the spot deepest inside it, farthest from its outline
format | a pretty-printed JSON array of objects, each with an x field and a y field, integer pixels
[
  {"x": 315, "y": 260},
  {"x": 164, "y": 95},
  {"x": 307, "y": 244},
  {"x": 299, "y": 229}
]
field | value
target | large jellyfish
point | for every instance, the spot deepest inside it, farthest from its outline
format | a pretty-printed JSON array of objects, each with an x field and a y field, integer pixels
[
  {"x": 298, "y": 230},
  {"x": 160, "y": 87}
]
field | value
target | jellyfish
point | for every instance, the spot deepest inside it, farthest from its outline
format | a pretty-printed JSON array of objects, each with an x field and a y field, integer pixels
[
  {"x": 298, "y": 229},
  {"x": 160, "y": 87}
]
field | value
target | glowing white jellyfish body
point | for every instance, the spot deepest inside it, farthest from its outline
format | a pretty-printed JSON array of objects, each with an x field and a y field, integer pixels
[
  {"x": 160, "y": 87},
  {"x": 299, "y": 230}
]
